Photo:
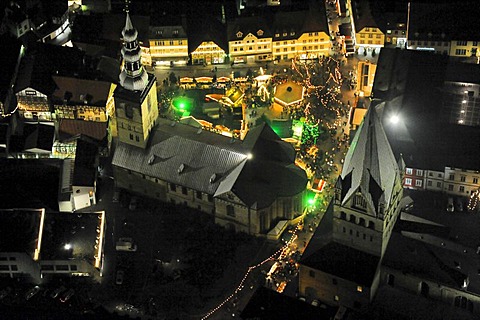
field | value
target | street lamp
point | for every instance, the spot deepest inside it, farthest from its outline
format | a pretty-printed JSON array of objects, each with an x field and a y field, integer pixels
[{"x": 394, "y": 119}]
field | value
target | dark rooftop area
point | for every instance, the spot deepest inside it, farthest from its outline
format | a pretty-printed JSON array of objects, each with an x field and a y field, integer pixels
[
  {"x": 267, "y": 304},
  {"x": 19, "y": 230},
  {"x": 77, "y": 230},
  {"x": 345, "y": 262}
]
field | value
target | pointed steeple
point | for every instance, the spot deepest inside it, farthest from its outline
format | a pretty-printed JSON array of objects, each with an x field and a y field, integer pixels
[
  {"x": 133, "y": 75},
  {"x": 371, "y": 163}
]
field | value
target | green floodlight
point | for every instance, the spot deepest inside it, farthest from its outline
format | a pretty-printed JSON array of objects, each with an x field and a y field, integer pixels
[
  {"x": 311, "y": 201},
  {"x": 181, "y": 105}
]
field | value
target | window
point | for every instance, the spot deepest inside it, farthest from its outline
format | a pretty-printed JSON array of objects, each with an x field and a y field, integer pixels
[
  {"x": 4, "y": 267},
  {"x": 451, "y": 176},
  {"x": 173, "y": 187},
  {"x": 61, "y": 267},
  {"x": 474, "y": 43},
  {"x": 370, "y": 36},
  {"x": 12, "y": 259},
  {"x": 475, "y": 180},
  {"x": 462, "y": 178},
  {"x": 184, "y": 190},
  {"x": 419, "y": 172},
  {"x": 461, "y": 189},
  {"x": 408, "y": 181},
  {"x": 137, "y": 138},
  {"x": 14, "y": 267},
  {"x": 460, "y": 52},
  {"x": 450, "y": 187},
  {"x": 230, "y": 210},
  {"x": 429, "y": 183},
  {"x": 418, "y": 183},
  {"x": 73, "y": 267},
  {"x": 409, "y": 171},
  {"x": 461, "y": 43},
  {"x": 48, "y": 267},
  {"x": 439, "y": 184},
  {"x": 311, "y": 273},
  {"x": 198, "y": 195},
  {"x": 131, "y": 136},
  {"x": 210, "y": 198},
  {"x": 379, "y": 36},
  {"x": 359, "y": 289}
]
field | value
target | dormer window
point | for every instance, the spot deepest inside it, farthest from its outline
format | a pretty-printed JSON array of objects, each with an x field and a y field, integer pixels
[
  {"x": 159, "y": 32},
  {"x": 260, "y": 33},
  {"x": 175, "y": 32},
  {"x": 239, "y": 34},
  {"x": 285, "y": 34},
  {"x": 277, "y": 35},
  {"x": 292, "y": 33}
]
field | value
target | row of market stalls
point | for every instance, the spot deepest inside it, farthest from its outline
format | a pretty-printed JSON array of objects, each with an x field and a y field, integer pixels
[{"x": 207, "y": 82}]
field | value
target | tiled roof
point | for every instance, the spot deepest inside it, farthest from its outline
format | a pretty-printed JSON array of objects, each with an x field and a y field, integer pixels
[
  {"x": 77, "y": 91},
  {"x": 246, "y": 25},
  {"x": 206, "y": 28},
  {"x": 344, "y": 262}
]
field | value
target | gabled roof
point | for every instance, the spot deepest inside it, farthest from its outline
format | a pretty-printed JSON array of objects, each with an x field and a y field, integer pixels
[
  {"x": 257, "y": 170},
  {"x": 371, "y": 163},
  {"x": 69, "y": 127},
  {"x": 244, "y": 25},
  {"x": 76, "y": 91},
  {"x": 32, "y": 137},
  {"x": 362, "y": 15},
  {"x": 206, "y": 28}
]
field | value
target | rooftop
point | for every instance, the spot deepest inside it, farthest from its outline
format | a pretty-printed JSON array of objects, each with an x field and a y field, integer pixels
[
  {"x": 344, "y": 262},
  {"x": 267, "y": 304},
  {"x": 19, "y": 229},
  {"x": 76, "y": 91},
  {"x": 415, "y": 86}
]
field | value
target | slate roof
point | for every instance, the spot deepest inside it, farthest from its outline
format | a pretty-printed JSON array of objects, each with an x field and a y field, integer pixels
[
  {"x": 344, "y": 262},
  {"x": 370, "y": 163},
  {"x": 215, "y": 164},
  {"x": 412, "y": 84}
]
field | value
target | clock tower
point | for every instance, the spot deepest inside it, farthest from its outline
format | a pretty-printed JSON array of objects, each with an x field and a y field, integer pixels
[{"x": 136, "y": 106}]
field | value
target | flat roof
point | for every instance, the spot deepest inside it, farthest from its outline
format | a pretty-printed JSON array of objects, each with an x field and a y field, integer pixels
[
  {"x": 19, "y": 229},
  {"x": 78, "y": 230}
]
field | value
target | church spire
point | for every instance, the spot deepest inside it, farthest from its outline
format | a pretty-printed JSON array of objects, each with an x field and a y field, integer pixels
[
  {"x": 133, "y": 75},
  {"x": 371, "y": 163}
]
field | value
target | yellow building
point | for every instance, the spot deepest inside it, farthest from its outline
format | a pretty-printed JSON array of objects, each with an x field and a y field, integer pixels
[
  {"x": 368, "y": 35},
  {"x": 168, "y": 45},
  {"x": 208, "y": 44},
  {"x": 365, "y": 76},
  {"x": 302, "y": 33},
  {"x": 249, "y": 40},
  {"x": 136, "y": 105}
]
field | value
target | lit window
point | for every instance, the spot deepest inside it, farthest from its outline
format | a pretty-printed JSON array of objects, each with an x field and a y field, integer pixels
[
  {"x": 418, "y": 183},
  {"x": 359, "y": 288},
  {"x": 408, "y": 171},
  {"x": 408, "y": 181}
]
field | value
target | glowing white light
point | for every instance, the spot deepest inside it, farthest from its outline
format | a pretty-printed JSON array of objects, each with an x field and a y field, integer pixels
[
  {"x": 249, "y": 156},
  {"x": 67, "y": 246},
  {"x": 394, "y": 119}
]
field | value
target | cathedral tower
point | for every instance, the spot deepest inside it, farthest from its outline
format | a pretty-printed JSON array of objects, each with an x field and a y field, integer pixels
[{"x": 368, "y": 191}]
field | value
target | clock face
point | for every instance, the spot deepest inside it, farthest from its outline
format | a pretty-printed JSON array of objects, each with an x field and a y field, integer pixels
[{"x": 129, "y": 111}]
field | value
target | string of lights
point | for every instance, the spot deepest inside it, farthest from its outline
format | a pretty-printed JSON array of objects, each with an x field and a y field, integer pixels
[{"x": 282, "y": 251}]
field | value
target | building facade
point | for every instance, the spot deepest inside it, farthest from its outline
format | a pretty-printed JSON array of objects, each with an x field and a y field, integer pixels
[{"x": 168, "y": 45}]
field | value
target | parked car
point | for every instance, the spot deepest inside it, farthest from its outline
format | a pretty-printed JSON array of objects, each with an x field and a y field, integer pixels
[
  {"x": 119, "y": 277},
  {"x": 57, "y": 291},
  {"x": 67, "y": 295},
  {"x": 32, "y": 292},
  {"x": 450, "y": 207}
]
